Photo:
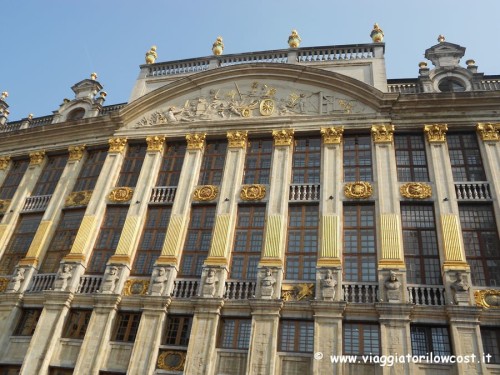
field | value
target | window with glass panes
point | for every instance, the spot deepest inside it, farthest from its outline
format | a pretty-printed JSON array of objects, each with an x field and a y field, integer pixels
[
  {"x": 27, "y": 324},
  {"x": 427, "y": 339},
  {"x": 420, "y": 244},
  {"x": 258, "y": 161},
  {"x": 20, "y": 242},
  {"x": 177, "y": 330},
  {"x": 359, "y": 243},
  {"x": 411, "y": 160},
  {"x": 235, "y": 333},
  {"x": 361, "y": 339},
  {"x": 491, "y": 343},
  {"x": 91, "y": 170},
  {"x": 465, "y": 157},
  {"x": 132, "y": 164},
  {"x": 50, "y": 175},
  {"x": 62, "y": 240},
  {"x": 126, "y": 326},
  {"x": 13, "y": 179},
  {"x": 109, "y": 235},
  {"x": 212, "y": 164},
  {"x": 481, "y": 242},
  {"x": 296, "y": 336},
  {"x": 306, "y": 161},
  {"x": 302, "y": 242},
  {"x": 171, "y": 166},
  {"x": 198, "y": 238},
  {"x": 10, "y": 369},
  {"x": 247, "y": 242},
  {"x": 76, "y": 324},
  {"x": 357, "y": 158},
  {"x": 151, "y": 243}
]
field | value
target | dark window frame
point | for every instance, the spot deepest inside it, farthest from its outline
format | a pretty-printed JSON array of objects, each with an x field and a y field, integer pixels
[
  {"x": 51, "y": 174},
  {"x": 14, "y": 178},
  {"x": 365, "y": 333},
  {"x": 126, "y": 326},
  {"x": 292, "y": 338},
  {"x": 236, "y": 336},
  {"x": 77, "y": 323},
  {"x": 177, "y": 330},
  {"x": 411, "y": 157},
  {"x": 28, "y": 321},
  {"x": 171, "y": 165},
  {"x": 430, "y": 343},
  {"x": 212, "y": 164},
  {"x": 306, "y": 161},
  {"x": 357, "y": 158},
  {"x": 258, "y": 161},
  {"x": 132, "y": 165}
]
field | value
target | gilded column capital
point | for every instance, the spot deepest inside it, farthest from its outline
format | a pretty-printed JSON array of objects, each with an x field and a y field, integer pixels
[
  {"x": 436, "y": 133},
  {"x": 488, "y": 131},
  {"x": 332, "y": 135},
  {"x": 117, "y": 145},
  {"x": 283, "y": 137},
  {"x": 155, "y": 143},
  {"x": 383, "y": 133},
  {"x": 196, "y": 141},
  {"x": 4, "y": 162},
  {"x": 76, "y": 152},
  {"x": 36, "y": 158},
  {"x": 237, "y": 139}
]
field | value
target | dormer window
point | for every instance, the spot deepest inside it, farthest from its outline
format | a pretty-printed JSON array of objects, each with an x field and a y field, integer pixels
[
  {"x": 451, "y": 85},
  {"x": 76, "y": 114}
]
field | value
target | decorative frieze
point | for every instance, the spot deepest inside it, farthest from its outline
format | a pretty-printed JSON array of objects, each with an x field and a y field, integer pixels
[
  {"x": 283, "y": 137},
  {"x": 332, "y": 135},
  {"x": 488, "y": 131},
  {"x": 117, "y": 145},
  {"x": 253, "y": 192},
  {"x": 4, "y": 162},
  {"x": 155, "y": 143},
  {"x": 76, "y": 152},
  {"x": 121, "y": 194},
  {"x": 205, "y": 193},
  {"x": 78, "y": 198},
  {"x": 36, "y": 158},
  {"x": 358, "y": 190},
  {"x": 436, "y": 133},
  {"x": 416, "y": 190},
  {"x": 135, "y": 287},
  {"x": 237, "y": 139},
  {"x": 196, "y": 141},
  {"x": 383, "y": 133},
  {"x": 487, "y": 298}
]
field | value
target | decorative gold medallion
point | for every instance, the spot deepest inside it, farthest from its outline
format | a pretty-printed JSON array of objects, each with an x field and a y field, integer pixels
[
  {"x": 196, "y": 141},
  {"x": 155, "y": 143},
  {"x": 117, "y": 144},
  {"x": 266, "y": 107},
  {"x": 171, "y": 360},
  {"x": 121, "y": 194},
  {"x": 488, "y": 131},
  {"x": 383, "y": 133},
  {"x": 253, "y": 192},
  {"x": 237, "y": 139},
  {"x": 135, "y": 287},
  {"x": 416, "y": 190},
  {"x": 283, "y": 137},
  {"x": 332, "y": 135},
  {"x": 358, "y": 190},
  {"x": 487, "y": 298},
  {"x": 78, "y": 198},
  {"x": 36, "y": 158},
  {"x": 205, "y": 193},
  {"x": 297, "y": 292},
  {"x": 436, "y": 133},
  {"x": 4, "y": 162}
]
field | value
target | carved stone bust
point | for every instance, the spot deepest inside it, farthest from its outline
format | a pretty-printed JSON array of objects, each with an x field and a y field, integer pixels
[
  {"x": 267, "y": 284},
  {"x": 328, "y": 284},
  {"x": 393, "y": 288},
  {"x": 159, "y": 280},
  {"x": 110, "y": 279},
  {"x": 209, "y": 285}
]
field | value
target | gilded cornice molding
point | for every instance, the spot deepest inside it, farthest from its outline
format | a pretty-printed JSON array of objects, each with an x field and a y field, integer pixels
[
  {"x": 383, "y": 133},
  {"x": 332, "y": 135},
  {"x": 358, "y": 190},
  {"x": 4, "y": 162},
  {"x": 205, "y": 193},
  {"x": 416, "y": 190},
  {"x": 196, "y": 141},
  {"x": 237, "y": 139},
  {"x": 253, "y": 192},
  {"x": 121, "y": 194},
  {"x": 76, "y": 152},
  {"x": 36, "y": 158},
  {"x": 117, "y": 145},
  {"x": 488, "y": 131},
  {"x": 155, "y": 143},
  {"x": 283, "y": 137},
  {"x": 436, "y": 133}
]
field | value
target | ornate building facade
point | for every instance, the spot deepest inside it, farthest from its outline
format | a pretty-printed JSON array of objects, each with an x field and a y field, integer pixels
[{"x": 262, "y": 213}]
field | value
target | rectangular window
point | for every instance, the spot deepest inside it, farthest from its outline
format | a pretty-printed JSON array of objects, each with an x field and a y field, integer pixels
[
  {"x": 258, "y": 161},
  {"x": 212, "y": 164},
  {"x": 20, "y": 242},
  {"x": 235, "y": 333},
  {"x": 465, "y": 157},
  {"x": 60, "y": 371},
  {"x": 427, "y": 339},
  {"x": 10, "y": 370},
  {"x": 151, "y": 243},
  {"x": 132, "y": 164},
  {"x": 76, "y": 324},
  {"x": 90, "y": 170},
  {"x": 51, "y": 173},
  {"x": 357, "y": 158},
  {"x": 306, "y": 161},
  {"x": 491, "y": 343},
  {"x": 109, "y": 236},
  {"x": 127, "y": 324},
  {"x": 361, "y": 339},
  {"x": 27, "y": 323},
  {"x": 411, "y": 159},
  {"x": 481, "y": 242},
  {"x": 420, "y": 244},
  {"x": 248, "y": 242},
  {"x": 177, "y": 331},
  {"x": 296, "y": 336},
  {"x": 63, "y": 239},
  {"x": 198, "y": 239},
  {"x": 359, "y": 243},
  {"x": 13, "y": 179},
  {"x": 171, "y": 166}
]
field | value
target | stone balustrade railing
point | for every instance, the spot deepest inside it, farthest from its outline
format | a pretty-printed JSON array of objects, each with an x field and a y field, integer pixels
[
  {"x": 473, "y": 191},
  {"x": 487, "y": 85},
  {"x": 235, "y": 289},
  {"x": 432, "y": 295},
  {"x": 89, "y": 284},
  {"x": 359, "y": 292},
  {"x": 256, "y": 57},
  {"x": 304, "y": 192},
  {"x": 404, "y": 88},
  {"x": 185, "y": 288},
  {"x": 178, "y": 67},
  {"x": 36, "y": 203},
  {"x": 163, "y": 194},
  {"x": 319, "y": 54},
  {"x": 41, "y": 282}
]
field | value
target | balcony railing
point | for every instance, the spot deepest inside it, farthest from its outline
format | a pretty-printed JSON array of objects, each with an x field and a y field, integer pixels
[
  {"x": 473, "y": 191},
  {"x": 36, "y": 203},
  {"x": 318, "y": 54},
  {"x": 239, "y": 289},
  {"x": 89, "y": 284},
  {"x": 257, "y": 57},
  {"x": 163, "y": 194},
  {"x": 185, "y": 288},
  {"x": 41, "y": 282},
  {"x": 360, "y": 292},
  {"x": 304, "y": 192},
  {"x": 179, "y": 67},
  {"x": 404, "y": 88},
  {"x": 432, "y": 295}
]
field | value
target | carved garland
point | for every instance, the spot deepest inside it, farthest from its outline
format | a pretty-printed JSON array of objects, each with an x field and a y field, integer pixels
[
  {"x": 488, "y": 131},
  {"x": 78, "y": 198},
  {"x": 4, "y": 162},
  {"x": 358, "y": 190},
  {"x": 205, "y": 193},
  {"x": 253, "y": 192},
  {"x": 436, "y": 133},
  {"x": 237, "y": 139},
  {"x": 487, "y": 298},
  {"x": 76, "y": 152},
  {"x": 332, "y": 135},
  {"x": 196, "y": 141},
  {"x": 121, "y": 194},
  {"x": 416, "y": 190},
  {"x": 135, "y": 287},
  {"x": 36, "y": 158},
  {"x": 155, "y": 143},
  {"x": 283, "y": 137}
]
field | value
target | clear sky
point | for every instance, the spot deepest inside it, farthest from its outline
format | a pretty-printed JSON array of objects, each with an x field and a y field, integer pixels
[{"x": 49, "y": 45}]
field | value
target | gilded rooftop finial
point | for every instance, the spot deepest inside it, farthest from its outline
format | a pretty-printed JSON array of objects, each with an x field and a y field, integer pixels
[
  {"x": 441, "y": 38},
  {"x": 93, "y": 76},
  {"x": 151, "y": 55},
  {"x": 294, "y": 39},
  {"x": 377, "y": 34},
  {"x": 218, "y": 46},
  {"x": 4, "y": 95}
]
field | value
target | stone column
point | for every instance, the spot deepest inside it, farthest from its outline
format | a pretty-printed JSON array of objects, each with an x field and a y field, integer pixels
[
  {"x": 222, "y": 239},
  {"x": 327, "y": 336},
  {"x": 264, "y": 338},
  {"x": 148, "y": 338},
  {"x": 98, "y": 334},
  {"x": 47, "y": 334},
  {"x": 277, "y": 211},
  {"x": 200, "y": 357},
  {"x": 330, "y": 256}
]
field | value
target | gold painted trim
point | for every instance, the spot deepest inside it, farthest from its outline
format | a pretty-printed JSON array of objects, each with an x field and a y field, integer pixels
[
  {"x": 205, "y": 193},
  {"x": 481, "y": 297},
  {"x": 83, "y": 235},
  {"x": 358, "y": 190},
  {"x": 117, "y": 145},
  {"x": 219, "y": 240},
  {"x": 75, "y": 258},
  {"x": 37, "y": 157},
  {"x": 216, "y": 261},
  {"x": 237, "y": 139},
  {"x": 436, "y": 133},
  {"x": 4, "y": 205},
  {"x": 452, "y": 238},
  {"x": 391, "y": 237},
  {"x": 253, "y": 192},
  {"x": 173, "y": 236},
  {"x": 454, "y": 265},
  {"x": 416, "y": 190},
  {"x": 328, "y": 262},
  {"x": 155, "y": 143},
  {"x": 4, "y": 282},
  {"x": 166, "y": 260},
  {"x": 273, "y": 236},
  {"x": 330, "y": 236},
  {"x": 4, "y": 162},
  {"x": 332, "y": 135},
  {"x": 76, "y": 152},
  {"x": 119, "y": 259},
  {"x": 78, "y": 198},
  {"x": 28, "y": 261},
  {"x": 297, "y": 292},
  {"x": 488, "y": 131},
  {"x": 283, "y": 137},
  {"x": 39, "y": 239},
  {"x": 121, "y": 194},
  {"x": 383, "y": 133},
  {"x": 127, "y": 236},
  {"x": 162, "y": 358},
  {"x": 271, "y": 262},
  {"x": 135, "y": 287},
  {"x": 196, "y": 141}
]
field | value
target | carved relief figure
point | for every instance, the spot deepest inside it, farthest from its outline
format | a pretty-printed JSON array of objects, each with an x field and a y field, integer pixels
[
  {"x": 110, "y": 279},
  {"x": 267, "y": 284},
  {"x": 460, "y": 288},
  {"x": 63, "y": 277},
  {"x": 328, "y": 285},
  {"x": 158, "y": 286},
  {"x": 210, "y": 282},
  {"x": 392, "y": 286},
  {"x": 16, "y": 281}
]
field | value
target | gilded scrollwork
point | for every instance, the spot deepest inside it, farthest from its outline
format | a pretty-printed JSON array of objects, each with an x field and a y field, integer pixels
[
  {"x": 297, "y": 292},
  {"x": 37, "y": 157},
  {"x": 4, "y": 162},
  {"x": 487, "y": 298},
  {"x": 436, "y": 133},
  {"x": 205, "y": 193},
  {"x": 135, "y": 287},
  {"x": 76, "y": 152},
  {"x": 416, "y": 190},
  {"x": 358, "y": 190},
  {"x": 171, "y": 360},
  {"x": 383, "y": 133},
  {"x": 253, "y": 192},
  {"x": 121, "y": 194},
  {"x": 488, "y": 131},
  {"x": 283, "y": 137},
  {"x": 196, "y": 141},
  {"x": 332, "y": 135},
  {"x": 237, "y": 139},
  {"x": 155, "y": 143},
  {"x": 78, "y": 198},
  {"x": 117, "y": 144}
]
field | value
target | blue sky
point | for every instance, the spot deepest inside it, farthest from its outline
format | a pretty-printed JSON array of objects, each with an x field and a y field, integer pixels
[{"x": 47, "y": 46}]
